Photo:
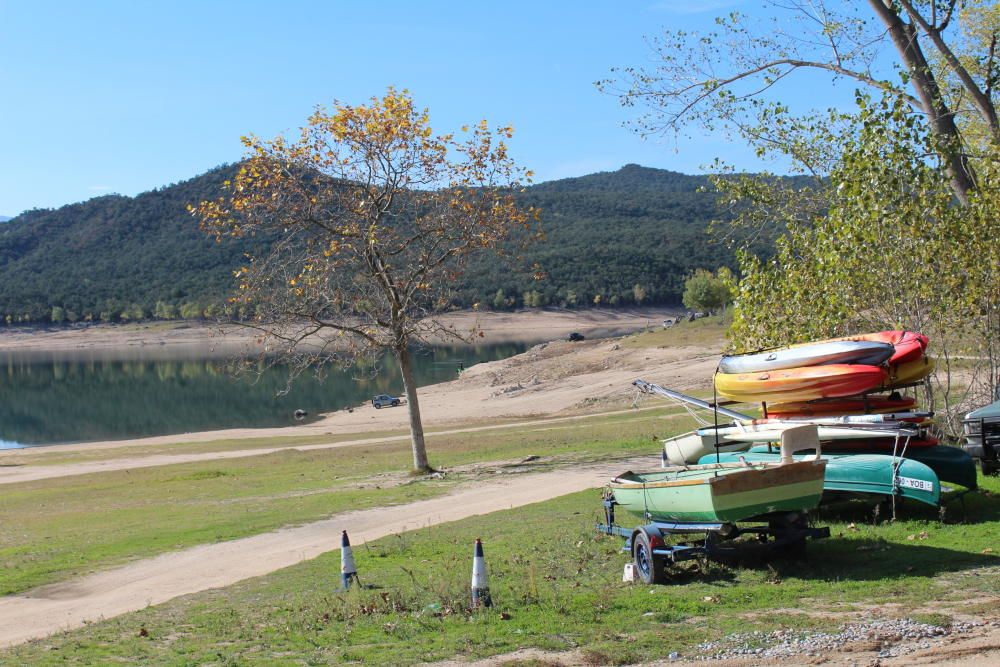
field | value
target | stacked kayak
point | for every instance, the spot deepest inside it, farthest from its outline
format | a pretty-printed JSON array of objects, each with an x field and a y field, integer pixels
[
  {"x": 875, "y": 439},
  {"x": 825, "y": 370}
]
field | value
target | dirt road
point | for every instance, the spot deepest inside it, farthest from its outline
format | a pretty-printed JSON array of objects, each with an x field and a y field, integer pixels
[
  {"x": 49, "y": 609},
  {"x": 13, "y": 474}
]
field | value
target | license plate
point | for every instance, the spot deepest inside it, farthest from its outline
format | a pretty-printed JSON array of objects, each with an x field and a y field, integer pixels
[{"x": 911, "y": 483}]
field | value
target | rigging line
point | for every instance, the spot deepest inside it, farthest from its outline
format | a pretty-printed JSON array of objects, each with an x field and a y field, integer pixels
[{"x": 715, "y": 413}]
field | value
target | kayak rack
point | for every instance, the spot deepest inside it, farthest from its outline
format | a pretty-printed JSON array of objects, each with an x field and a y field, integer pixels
[{"x": 785, "y": 532}]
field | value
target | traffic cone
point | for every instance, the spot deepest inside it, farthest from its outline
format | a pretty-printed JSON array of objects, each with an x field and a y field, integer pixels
[
  {"x": 347, "y": 569},
  {"x": 480, "y": 582}
]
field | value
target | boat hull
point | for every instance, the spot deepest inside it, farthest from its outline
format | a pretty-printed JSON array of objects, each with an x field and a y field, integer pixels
[
  {"x": 771, "y": 432},
  {"x": 908, "y": 345},
  {"x": 910, "y": 372},
  {"x": 951, "y": 464},
  {"x": 868, "y": 474},
  {"x": 801, "y": 384},
  {"x": 720, "y": 493},
  {"x": 841, "y": 406},
  {"x": 809, "y": 354},
  {"x": 689, "y": 447}
]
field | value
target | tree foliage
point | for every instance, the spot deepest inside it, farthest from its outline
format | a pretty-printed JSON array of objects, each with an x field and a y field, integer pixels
[
  {"x": 374, "y": 218},
  {"x": 708, "y": 291},
  {"x": 893, "y": 251}
]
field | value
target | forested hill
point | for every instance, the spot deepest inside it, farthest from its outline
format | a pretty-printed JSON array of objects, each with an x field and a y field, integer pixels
[{"x": 614, "y": 238}]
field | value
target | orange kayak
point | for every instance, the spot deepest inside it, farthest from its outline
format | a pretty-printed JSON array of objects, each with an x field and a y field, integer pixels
[
  {"x": 805, "y": 383},
  {"x": 835, "y": 407}
]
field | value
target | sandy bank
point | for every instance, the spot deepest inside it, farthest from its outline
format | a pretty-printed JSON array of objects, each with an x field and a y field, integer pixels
[{"x": 525, "y": 325}]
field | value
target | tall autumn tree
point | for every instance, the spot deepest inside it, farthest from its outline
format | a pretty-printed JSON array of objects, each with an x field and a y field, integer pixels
[{"x": 369, "y": 217}]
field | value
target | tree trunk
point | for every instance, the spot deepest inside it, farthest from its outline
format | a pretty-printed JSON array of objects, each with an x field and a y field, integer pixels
[
  {"x": 941, "y": 118},
  {"x": 416, "y": 426}
]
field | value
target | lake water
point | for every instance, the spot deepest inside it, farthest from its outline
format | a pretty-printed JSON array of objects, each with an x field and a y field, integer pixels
[{"x": 82, "y": 396}]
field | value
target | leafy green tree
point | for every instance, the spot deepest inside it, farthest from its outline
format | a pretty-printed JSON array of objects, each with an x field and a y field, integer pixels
[
  {"x": 133, "y": 313},
  {"x": 190, "y": 310},
  {"x": 58, "y": 315},
  {"x": 377, "y": 217},
  {"x": 893, "y": 251},
  {"x": 165, "y": 311},
  {"x": 706, "y": 291}
]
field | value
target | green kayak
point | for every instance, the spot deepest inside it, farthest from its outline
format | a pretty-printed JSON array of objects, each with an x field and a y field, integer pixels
[
  {"x": 726, "y": 492},
  {"x": 951, "y": 464}
]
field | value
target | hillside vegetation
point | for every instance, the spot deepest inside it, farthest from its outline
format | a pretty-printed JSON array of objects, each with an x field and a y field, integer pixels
[{"x": 617, "y": 238}]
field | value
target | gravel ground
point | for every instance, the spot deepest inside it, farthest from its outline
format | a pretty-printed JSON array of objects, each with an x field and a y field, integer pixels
[{"x": 892, "y": 637}]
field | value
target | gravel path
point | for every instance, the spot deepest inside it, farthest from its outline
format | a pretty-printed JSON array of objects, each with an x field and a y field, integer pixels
[{"x": 888, "y": 638}]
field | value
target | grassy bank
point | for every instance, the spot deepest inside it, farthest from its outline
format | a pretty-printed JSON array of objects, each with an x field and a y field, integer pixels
[
  {"x": 62, "y": 527},
  {"x": 557, "y": 585}
]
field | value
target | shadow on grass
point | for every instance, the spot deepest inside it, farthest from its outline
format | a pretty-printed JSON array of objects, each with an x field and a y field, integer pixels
[
  {"x": 866, "y": 545},
  {"x": 974, "y": 507},
  {"x": 900, "y": 548}
]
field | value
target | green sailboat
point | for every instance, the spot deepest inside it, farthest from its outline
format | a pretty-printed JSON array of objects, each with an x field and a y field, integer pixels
[{"x": 727, "y": 492}]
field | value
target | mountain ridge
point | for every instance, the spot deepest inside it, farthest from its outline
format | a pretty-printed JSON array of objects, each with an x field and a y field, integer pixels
[{"x": 115, "y": 257}]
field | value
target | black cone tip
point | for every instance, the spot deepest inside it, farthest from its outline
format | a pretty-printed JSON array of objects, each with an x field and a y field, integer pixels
[
  {"x": 344, "y": 540},
  {"x": 479, "y": 548}
]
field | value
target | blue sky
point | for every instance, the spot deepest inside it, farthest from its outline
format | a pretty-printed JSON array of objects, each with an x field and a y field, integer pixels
[{"x": 105, "y": 96}]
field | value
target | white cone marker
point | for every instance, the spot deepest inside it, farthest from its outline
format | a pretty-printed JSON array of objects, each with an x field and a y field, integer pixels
[
  {"x": 348, "y": 570},
  {"x": 480, "y": 582}
]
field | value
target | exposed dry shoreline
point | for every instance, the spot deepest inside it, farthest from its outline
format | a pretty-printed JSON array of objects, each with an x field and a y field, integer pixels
[{"x": 497, "y": 327}]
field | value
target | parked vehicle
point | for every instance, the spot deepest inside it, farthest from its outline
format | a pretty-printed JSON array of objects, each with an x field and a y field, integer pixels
[
  {"x": 385, "y": 400},
  {"x": 575, "y": 336},
  {"x": 982, "y": 437}
]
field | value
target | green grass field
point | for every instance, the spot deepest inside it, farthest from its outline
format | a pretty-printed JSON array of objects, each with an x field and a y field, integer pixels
[{"x": 556, "y": 585}]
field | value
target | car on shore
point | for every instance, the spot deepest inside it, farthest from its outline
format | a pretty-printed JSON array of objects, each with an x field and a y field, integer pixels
[
  {"x": 982, "y": 437},
  {"x": 386, "y": 401}
]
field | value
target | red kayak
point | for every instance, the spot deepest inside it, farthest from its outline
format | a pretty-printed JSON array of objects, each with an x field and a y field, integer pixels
[
  {"x": 836, "y": 407},
  {"x": 909, "y": 345}
]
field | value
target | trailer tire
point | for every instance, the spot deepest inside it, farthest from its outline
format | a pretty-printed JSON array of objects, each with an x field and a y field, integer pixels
[{"x": 648, "y": 566}]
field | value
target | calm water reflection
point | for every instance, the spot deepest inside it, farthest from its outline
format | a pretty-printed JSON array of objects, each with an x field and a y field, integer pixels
[{"x": 82, "y": 397}]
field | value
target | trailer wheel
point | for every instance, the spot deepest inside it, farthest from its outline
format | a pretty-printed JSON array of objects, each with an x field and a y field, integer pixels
[{"x": 648, "y": 566}]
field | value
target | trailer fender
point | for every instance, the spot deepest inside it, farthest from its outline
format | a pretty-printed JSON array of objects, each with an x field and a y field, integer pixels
[{"x": 653, "y": 534}]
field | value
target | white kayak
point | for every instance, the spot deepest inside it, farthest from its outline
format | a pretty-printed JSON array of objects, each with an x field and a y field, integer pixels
[
  {"x": 690, "y": 447},
  {"x": 771, "y": 432},
  {"x": 870, "y": 353}
]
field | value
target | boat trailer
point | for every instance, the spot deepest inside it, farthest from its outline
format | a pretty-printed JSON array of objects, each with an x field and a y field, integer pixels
[{"x": 785, "y": 532}]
